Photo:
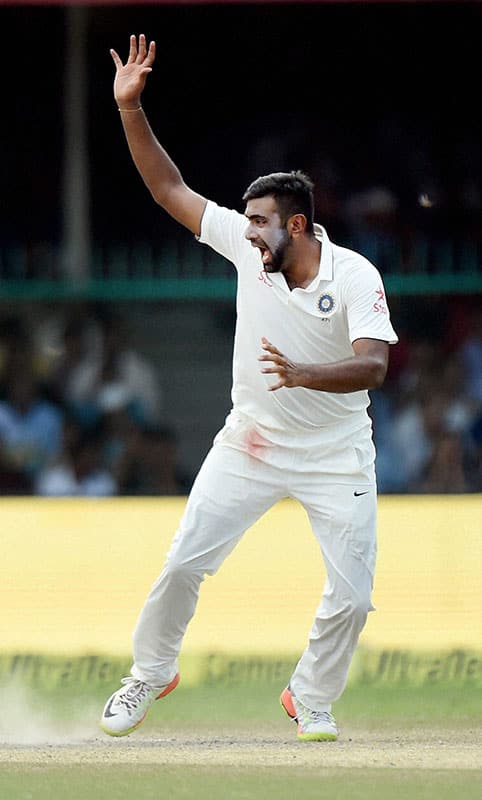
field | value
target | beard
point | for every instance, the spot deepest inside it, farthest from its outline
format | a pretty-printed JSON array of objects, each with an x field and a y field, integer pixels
[{"x": 278, "y": 253}]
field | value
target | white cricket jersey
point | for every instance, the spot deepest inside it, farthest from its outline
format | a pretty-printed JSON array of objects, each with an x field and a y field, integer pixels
[{"x": 346, "y": 301}]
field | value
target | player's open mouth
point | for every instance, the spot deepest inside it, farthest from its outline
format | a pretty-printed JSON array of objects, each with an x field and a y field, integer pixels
[{"x": 265, "y": 254}]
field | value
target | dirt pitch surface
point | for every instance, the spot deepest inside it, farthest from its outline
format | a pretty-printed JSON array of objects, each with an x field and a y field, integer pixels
[{"x": 415, "y": 748}]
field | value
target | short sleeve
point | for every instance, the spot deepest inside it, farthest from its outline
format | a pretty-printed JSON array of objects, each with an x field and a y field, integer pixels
[
  {"x": 223, "y": 230},
  {"x": 366, "y": 305}
]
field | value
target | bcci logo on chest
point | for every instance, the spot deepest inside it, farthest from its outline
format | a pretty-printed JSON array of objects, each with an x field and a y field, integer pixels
[{"x": 326, "y": 304}]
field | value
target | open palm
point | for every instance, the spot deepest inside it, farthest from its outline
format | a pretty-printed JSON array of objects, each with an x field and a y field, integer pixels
[{"x": 130, "y": 77}]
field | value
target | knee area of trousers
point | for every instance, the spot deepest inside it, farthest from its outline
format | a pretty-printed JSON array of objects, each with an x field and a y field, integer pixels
[
  {"x": 358, "y": 607},
  {"x": 182, "y": 571},
  {"x": 354, "y": 608}
]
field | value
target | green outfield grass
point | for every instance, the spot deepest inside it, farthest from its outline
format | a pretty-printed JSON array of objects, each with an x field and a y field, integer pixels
[{"x": 150, "y": 783}]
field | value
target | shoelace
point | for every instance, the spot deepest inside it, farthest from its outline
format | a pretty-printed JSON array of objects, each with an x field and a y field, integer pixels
[
  {"x": 320, "y": 716},
  {"x": 134, "y": 695},
  {"x": 307, "y": 715}
]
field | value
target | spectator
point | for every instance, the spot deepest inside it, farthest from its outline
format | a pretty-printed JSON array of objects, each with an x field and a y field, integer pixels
[
  {"x": 152, "y": 466},
  {"x": 12, "y": 480},
  {"x": 389, "y": 476},
  {"x": 79, "y": 472},
  {"x": 445, "y": 470},
  {"x": 121, "y": 430},
  {"x": 30, "y": 427},
  {"x": 430, "y": 424},
  {"x": 471, "y": 357},
  {"x": 78, "y": 346},
  {"x": 162, "y": 474},
  {"x": 92, "y": 371}
]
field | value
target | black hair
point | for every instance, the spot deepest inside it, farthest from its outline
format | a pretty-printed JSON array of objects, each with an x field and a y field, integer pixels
[{"x": 292, "y": 191}]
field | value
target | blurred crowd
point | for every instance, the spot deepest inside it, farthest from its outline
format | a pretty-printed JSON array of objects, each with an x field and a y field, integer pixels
[
  {"x": 83, "y": 414},
  {"x": 427, "y": 420}
]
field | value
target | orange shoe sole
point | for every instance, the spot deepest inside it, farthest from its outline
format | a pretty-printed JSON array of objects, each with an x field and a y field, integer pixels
[
  {"x": 170, "y": 686},
  {"x": 287, "y": 703}
]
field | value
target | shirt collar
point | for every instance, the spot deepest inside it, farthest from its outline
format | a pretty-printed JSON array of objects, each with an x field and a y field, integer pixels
[
  {"x": 326, "y": 260},
  {"x": 325, "y": 271}
]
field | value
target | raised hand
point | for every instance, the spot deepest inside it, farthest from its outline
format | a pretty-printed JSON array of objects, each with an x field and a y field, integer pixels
[{"x": 130, "y": 77}]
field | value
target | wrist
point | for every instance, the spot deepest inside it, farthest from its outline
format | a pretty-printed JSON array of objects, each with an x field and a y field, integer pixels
[
  {"x": 306, "y": 376},
  {"x": 128, "y": 103},
  {"x": 128, "y": 109}
]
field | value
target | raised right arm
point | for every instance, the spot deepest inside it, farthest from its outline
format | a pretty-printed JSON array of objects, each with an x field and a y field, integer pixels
[{"x": 158, "y": 171}]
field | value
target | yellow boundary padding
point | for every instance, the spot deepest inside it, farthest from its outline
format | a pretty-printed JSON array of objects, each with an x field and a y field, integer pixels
[{"x": 75, "y": 573}]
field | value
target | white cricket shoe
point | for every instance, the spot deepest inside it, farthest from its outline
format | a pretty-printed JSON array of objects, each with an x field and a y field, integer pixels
[
  {"x": 126, "y": 708},
  {"x": 313, "y": 726}
]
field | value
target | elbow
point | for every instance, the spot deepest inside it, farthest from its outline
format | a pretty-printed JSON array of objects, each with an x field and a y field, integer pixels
[
  {"x": 166, "y": 188},
  {"x": 169, "y": 193},
  {"x": 159, "y": 195},
  {"x": 378, "y": 374}
]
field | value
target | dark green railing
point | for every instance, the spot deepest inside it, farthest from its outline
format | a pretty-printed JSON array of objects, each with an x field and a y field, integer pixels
[{"x": 186, "y": 270}]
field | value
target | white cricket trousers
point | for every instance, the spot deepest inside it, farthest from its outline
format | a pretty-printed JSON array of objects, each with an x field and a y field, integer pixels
[{"x": 232, "y": 490}]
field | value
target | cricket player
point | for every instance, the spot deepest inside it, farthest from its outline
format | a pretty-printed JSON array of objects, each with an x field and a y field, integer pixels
[{"x": 312, "y": 337}]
